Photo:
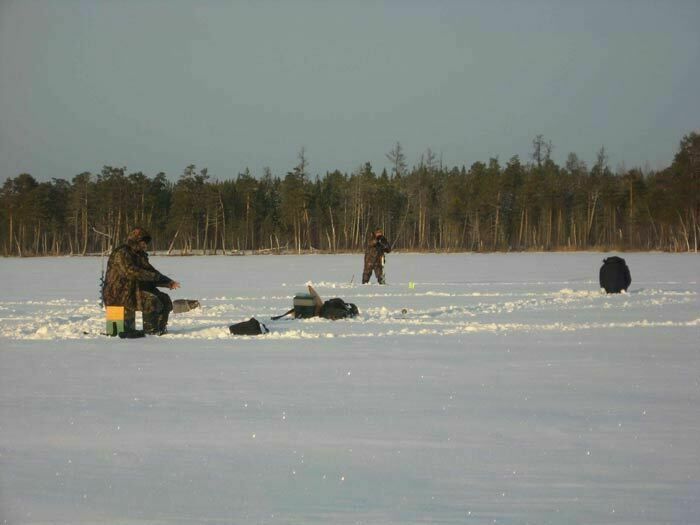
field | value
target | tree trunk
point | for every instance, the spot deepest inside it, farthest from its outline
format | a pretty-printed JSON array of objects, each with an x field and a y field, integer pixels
[
  {"x": 12, "y": 234},
  {"x": 332, "y": 241},
  {"x": 206, "y": 231},
  {"x": 172, "y": 243}
]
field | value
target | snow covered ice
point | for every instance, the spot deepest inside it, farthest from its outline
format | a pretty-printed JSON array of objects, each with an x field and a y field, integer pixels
[{"x": 509, "y": 391}]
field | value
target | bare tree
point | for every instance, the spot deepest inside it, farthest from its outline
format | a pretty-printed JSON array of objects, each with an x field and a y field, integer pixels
[
  {"x": 541, "y": 150},
  {"x": 398, "y": 160}
]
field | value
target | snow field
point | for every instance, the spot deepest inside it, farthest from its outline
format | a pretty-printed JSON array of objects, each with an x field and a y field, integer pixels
[{"x": 510, "y": 391}]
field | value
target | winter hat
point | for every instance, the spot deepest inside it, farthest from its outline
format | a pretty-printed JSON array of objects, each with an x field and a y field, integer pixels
[{"x": 139, "y": 234}]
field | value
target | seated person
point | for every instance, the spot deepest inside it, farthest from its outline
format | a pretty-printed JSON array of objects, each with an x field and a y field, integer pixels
[{"x": 132, "y": 282}]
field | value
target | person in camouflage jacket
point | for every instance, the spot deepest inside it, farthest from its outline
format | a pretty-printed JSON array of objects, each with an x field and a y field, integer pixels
[
  {"x": 374, "y": 256},
  {"x": 131, "y": 281}
]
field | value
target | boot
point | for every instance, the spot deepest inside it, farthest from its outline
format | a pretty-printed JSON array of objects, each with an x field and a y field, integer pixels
[
  {"x": 132, "y": 334},
  {"x": 163, "y": 323},
  {"x": 150, "y": 323}
]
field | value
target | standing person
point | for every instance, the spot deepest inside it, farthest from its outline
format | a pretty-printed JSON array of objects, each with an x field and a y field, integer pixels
[
  {"x": 132, "y": 282},
  {"x": 374, "y": 256}
]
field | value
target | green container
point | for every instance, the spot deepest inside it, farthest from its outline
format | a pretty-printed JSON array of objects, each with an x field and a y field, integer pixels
[
  {"x": 118, "y": 320},
  {"x": 304, "y": 305}
]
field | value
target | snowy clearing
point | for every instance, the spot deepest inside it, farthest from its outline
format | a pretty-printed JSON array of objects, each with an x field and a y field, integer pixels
[{"x": 500, "y": 388}]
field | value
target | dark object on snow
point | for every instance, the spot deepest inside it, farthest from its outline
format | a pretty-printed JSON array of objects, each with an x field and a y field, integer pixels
[
  {"x": 285, "y": 314},
  {"x": 132, "y": 334},
  {"x": 338, "y": 309},
  {"x": 615, "y": 275},
  {"x": 249, "y": 327}
]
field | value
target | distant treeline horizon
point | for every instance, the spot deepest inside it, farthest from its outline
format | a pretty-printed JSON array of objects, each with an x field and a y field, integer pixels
[{"x": 517, "y": 206}]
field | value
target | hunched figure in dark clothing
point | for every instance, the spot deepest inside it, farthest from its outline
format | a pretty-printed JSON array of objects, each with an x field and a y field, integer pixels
[
  {"x": 374, "y": 256},
  {"x": 614, "y": 275},
  {"x": 132, "y": 282}
]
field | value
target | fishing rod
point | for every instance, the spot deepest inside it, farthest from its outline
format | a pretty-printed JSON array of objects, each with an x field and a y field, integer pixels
[{"x": 102, "y": 275}]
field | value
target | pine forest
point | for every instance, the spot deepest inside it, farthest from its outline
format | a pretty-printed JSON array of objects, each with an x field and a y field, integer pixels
[{"x": 513, "y": 205}]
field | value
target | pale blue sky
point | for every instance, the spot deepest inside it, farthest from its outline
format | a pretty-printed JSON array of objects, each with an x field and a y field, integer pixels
[{"x": 155, "y": 85}]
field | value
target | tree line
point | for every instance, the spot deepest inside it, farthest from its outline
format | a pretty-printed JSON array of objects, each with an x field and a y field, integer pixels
[{"x": 490, "y": 206}]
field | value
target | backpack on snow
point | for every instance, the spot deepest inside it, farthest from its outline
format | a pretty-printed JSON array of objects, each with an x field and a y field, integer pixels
[
  {"x": 614, "y": 275},
  {"x": 249, "y": 327},
  {"x": 338, "y": 309}
]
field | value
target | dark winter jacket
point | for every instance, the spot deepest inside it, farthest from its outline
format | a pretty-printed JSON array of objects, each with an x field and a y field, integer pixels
[
  {"x": 376, "y": 248},
  {"x": 128, "y": 273},
  {"x": 614, "y": 275}
]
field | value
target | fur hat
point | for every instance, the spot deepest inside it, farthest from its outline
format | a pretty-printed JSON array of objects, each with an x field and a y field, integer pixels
[{"x": 139, "y": 234}]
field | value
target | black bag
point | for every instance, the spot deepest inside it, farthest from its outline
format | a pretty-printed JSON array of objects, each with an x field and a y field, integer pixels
[
  {"x": 614, "y": 275},
  {"x": 250, "y": 327},
  {"x": 338, "y": 309}
]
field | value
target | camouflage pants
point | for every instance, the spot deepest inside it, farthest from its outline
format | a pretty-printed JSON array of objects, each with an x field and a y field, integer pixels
[
  {"x": 378, "y": 269},
  {"x": 156, "y": 307}
]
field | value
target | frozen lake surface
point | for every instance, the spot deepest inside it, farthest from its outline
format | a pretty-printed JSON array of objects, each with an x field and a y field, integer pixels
[{"x": 510, "y": 391}]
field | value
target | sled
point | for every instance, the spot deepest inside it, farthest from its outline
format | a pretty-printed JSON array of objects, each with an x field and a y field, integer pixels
[{"x": 184, "y": 305}]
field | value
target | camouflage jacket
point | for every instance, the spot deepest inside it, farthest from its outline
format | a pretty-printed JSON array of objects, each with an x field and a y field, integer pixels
[
  {"x": 128, "y": 273},
  {"x": 376, "y": 248}
]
